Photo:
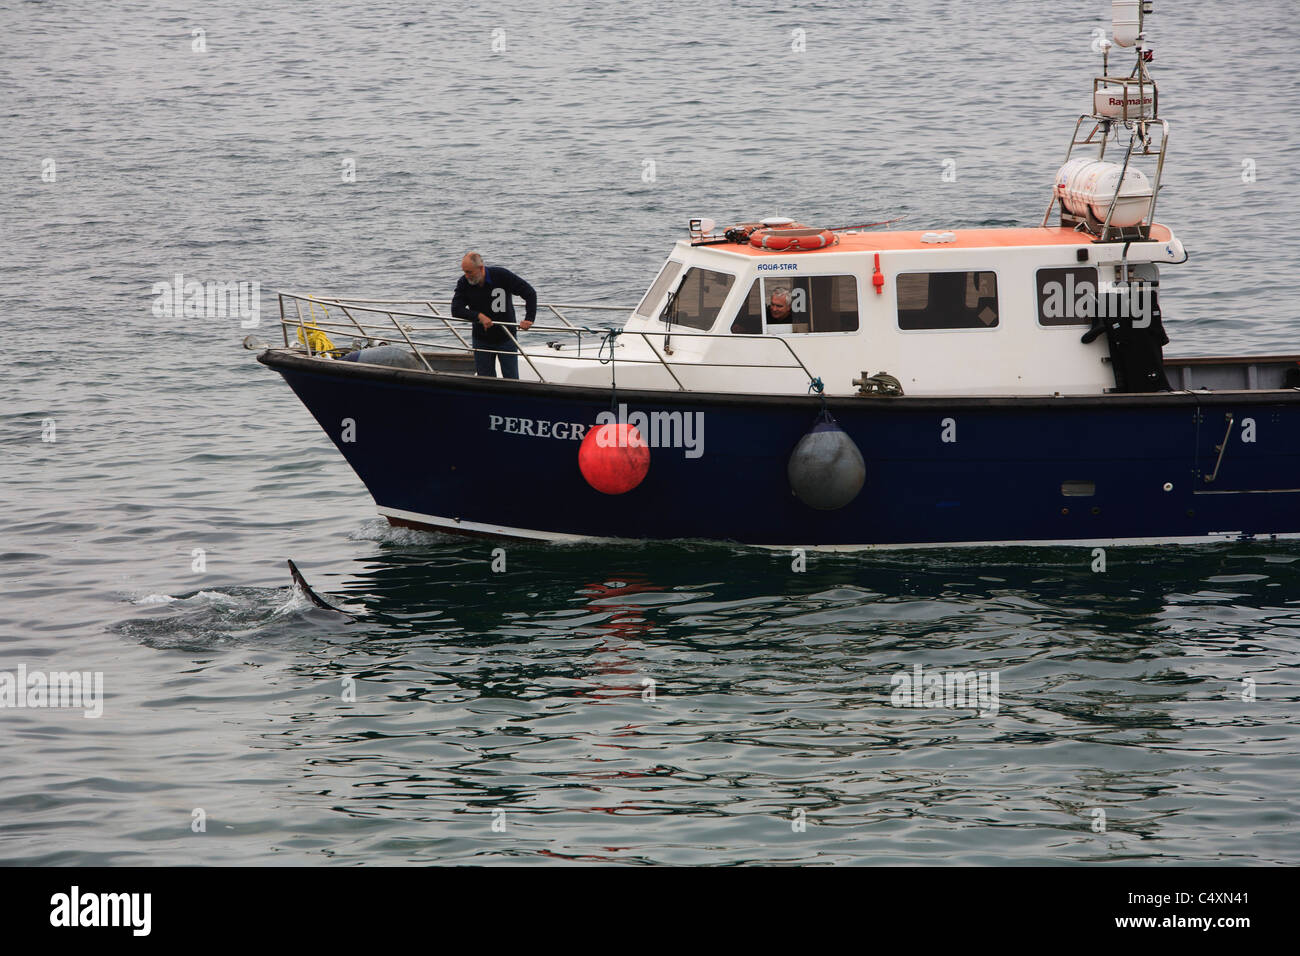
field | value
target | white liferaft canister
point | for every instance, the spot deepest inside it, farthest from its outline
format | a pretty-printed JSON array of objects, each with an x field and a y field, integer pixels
[
  {"x": 1063, "y": 178},
  {"x": 1090, "y": 187},
  {"x": 1111, "y": 100}
]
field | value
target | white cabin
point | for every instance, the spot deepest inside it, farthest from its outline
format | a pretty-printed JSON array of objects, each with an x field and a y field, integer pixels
[{"x": 965, "y": 312}]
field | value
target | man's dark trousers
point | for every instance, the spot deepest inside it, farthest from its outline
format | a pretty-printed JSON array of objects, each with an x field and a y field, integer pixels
[{"x": 486, "y": 355}]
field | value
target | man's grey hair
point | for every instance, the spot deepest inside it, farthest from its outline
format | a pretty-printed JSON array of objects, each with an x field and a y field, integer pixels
[
  {"x": 474, "y": 258},
  {"x": 782, "y": 293}
]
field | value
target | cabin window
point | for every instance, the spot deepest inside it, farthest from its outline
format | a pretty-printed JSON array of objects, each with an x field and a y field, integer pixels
[
  {"x": 799, "y": 304},
  {"x": 699, "y": 299},
  {"x": 657, "y": 288},
  {"x": 1067, "y": 296},
  {"x": 947, "y": 300},
  {"x": 1078, "y": 296}
]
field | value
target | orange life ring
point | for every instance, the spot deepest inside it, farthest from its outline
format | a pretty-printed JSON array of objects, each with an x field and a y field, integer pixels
[{"x": 792, "y": 240}]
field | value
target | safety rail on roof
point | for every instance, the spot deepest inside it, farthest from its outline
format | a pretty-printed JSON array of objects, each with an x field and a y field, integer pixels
[{"x": 299, "y": 313}]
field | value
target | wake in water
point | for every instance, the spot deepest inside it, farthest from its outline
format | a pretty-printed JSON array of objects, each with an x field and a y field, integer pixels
[
  {"x": 379, "y": 530},
  {"x": 212, "y": 618}
]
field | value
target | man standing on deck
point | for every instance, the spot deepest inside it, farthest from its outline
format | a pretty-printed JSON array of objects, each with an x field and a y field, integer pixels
[{"x": 486, "y": 297}]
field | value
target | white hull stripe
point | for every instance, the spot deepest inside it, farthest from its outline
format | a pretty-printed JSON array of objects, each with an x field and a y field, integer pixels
[{"x": 475, "y": 527}]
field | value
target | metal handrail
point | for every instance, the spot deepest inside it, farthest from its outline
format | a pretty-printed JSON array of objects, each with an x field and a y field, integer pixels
[
  {"x": 1139, "y": 133},
  {"x": 350, "y": 305},
  {"x": 423, "y": 299}
]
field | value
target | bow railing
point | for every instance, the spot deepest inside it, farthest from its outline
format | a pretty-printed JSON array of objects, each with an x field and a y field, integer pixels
[{"x": 313, "y": 323}]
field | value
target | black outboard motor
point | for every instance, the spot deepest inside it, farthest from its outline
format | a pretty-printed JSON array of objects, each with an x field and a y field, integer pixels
[{"x": 1130, "y": 318}]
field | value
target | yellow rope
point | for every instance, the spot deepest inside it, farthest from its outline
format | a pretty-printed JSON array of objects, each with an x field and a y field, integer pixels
[{"x": 315, "y": 340}]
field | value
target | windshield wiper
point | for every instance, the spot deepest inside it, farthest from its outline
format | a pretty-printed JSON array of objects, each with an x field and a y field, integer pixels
[{"x": 668, "y": 316}]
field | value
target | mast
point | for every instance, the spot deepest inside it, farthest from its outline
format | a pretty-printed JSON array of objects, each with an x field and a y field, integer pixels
[{"x": 1117, "y": 201}]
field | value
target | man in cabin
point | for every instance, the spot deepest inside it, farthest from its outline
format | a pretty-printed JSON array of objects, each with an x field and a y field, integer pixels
[
  {"x": 485, "y": 297},
  {"x": 778, "y": 308}
]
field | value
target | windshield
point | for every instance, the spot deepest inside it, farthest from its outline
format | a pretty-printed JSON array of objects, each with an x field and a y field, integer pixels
[
  {"x": 700, "y": 298},
  {"x": 657, "y": 288}
]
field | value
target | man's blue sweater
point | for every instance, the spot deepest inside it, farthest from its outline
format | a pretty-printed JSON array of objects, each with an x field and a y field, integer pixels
[{"x": 495, "y": 299}]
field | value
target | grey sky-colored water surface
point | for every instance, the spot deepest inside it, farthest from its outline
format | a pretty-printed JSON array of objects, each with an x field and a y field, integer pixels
[{"x": 524, "y": 691}]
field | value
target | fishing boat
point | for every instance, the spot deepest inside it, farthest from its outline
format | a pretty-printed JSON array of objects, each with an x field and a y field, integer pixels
[{"x": 789, "y": 385}]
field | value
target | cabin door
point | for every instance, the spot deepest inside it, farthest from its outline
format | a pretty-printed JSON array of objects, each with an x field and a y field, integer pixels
[{"x": 1244, "y": 448}]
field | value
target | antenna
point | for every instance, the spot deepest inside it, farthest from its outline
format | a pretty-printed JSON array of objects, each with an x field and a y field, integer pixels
[{"x": 1134, "y": 97}]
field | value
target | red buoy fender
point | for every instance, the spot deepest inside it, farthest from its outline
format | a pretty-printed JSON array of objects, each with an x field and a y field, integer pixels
[
  {"x": 614, "y": 458},
  {"x": 792, "y": 240}
]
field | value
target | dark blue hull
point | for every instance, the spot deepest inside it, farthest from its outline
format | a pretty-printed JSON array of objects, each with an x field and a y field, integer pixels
[{"x": 437, "y": 450}]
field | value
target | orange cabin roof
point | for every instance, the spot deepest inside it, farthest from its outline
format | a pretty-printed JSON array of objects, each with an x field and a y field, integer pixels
[{"x": 966, "y": 239}]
